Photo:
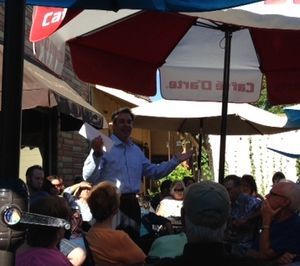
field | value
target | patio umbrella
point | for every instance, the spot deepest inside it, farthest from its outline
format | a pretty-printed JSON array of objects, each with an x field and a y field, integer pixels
[
  {"x": 163, "y": 5},
  {"x": 205, "y": 118},
  {"x": 196, "y": 61},
  {"x": 288, "y": 146},
  {"x": 14, "y": 50},
  {"x": 12, "y": 100},
  {"x": 191, "y": 60},
  {"x": 293, "y": 114}
]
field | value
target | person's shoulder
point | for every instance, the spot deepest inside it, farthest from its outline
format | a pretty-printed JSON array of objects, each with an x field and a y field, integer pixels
[
  {"x": 242, "y": 261},
  {"x": 42, "y": 257},
  {"x": 249, "y": 199},
  {"x": 170, "y": 262},
  {"x": 224, "y": 261}
]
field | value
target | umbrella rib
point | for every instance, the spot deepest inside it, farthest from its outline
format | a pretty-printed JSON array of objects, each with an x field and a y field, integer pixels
[
  {"x": 218, "y": 26},
  {"x": 181, "y": 125},
  {"x": 251, "y": 125}
]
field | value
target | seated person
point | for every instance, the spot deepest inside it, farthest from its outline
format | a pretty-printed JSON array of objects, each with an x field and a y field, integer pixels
[
  {"x": 168, "y": 246},
  {"x": 188, "y": 180},
  {"x": 108, "y": 245},
  {"x": 76, "y": 196},
  {"x": 164, "y": 191},
  {"x": 244, "y": 220},
  {"x": 206, "y": 209},
  {"x": 41, "y": 247},
  {"x": 279, "y": 239},
  {"x": 152, "y": 225},
  {"x": 54, "y": 185},
  {"x": 170, "y": 206}
]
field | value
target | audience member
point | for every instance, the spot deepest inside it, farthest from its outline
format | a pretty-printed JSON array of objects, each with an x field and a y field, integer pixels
[
  {"x": 188, "y": 180},
  {"x": 41, "y": 247},
  {"x": 277, "y": 176},
  {"x": 244, "y": 219},
  {"x": 109, "y": 246},
  {"x": 54, "y": 185},
  {"x": 279, "y": 239},
  {"x": 153, "y": 225},
  {"x": 168, "y": 246},
  {"x": 164, "y": 191},
  {"x": 205, "y": 211},
  {"x": 249, "y": 186},
  {"x": 170, "y": 206},
  {"x": 77, "y": 195},
  {"x": 125, "y": 165},
  {"x": 34, "y": 181}
]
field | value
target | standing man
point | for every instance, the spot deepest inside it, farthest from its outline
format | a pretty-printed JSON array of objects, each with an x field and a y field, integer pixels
[{"x": 125, "y": 165}]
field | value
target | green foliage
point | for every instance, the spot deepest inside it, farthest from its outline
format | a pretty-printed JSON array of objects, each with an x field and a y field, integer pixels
[
  {"x": 298, "y": 170},
  {"x": 207, "y": 173},
  {"x": 178, "y": 173},
  {"x": 264, "y": 103}
]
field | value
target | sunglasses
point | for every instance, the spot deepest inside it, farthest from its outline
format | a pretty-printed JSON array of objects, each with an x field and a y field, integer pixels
[
  {"x": 277, "y": 195},
  {"x": 179, "y": 190}
]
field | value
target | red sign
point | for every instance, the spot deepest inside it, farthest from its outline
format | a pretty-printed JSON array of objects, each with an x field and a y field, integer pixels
[{"x": 45, "y": 21}]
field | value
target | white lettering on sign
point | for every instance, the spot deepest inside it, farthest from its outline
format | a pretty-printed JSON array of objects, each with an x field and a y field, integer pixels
[
  {"x": 53, "y": 17},
  {"x": 208, "y": 85}
]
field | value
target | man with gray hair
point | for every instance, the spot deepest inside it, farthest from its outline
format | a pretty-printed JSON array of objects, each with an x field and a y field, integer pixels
[
  {"x": 279, "y": 239},
  {"x": 205, "y": 211}
]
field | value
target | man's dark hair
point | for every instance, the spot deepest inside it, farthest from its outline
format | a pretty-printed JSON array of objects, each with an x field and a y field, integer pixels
[
  {"x": 30, "y": 170},
  {"x": 234, "y": 178},
  {"x": 277, "y": 176},
  {"x": 43, "y": 236},
  {"x": 122, "y": 110},
  {"x": 250, "y": 181}
]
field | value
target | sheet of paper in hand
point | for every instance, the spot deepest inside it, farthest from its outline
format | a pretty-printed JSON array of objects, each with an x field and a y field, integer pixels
[{"x": 90, "y": 133}]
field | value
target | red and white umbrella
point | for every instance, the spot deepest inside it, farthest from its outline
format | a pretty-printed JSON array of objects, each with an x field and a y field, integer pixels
[
  {"x": 214, "y": 56},
  {"x": 125, "y": 50}
]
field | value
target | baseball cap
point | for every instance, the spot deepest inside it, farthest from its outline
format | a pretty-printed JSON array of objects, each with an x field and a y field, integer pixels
[{"x": 207, "y": 203}]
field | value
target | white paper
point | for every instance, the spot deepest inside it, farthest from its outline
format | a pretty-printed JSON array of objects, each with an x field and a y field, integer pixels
[{"x": 89, "y": 132}]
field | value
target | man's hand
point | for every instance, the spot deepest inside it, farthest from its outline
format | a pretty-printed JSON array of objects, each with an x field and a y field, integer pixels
[
  {"x": 97, "y": 146},
  {"x": 286, "y": 258},
  {"x": 183, "y": 156},
  {"x": 267, "y": 212}
]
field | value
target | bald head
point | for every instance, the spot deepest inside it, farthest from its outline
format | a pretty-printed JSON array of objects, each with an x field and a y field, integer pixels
[{"x": 290, "y": 190}]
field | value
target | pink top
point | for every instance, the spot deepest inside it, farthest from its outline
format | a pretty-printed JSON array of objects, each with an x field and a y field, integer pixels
[{"x": 42, "y": 257}]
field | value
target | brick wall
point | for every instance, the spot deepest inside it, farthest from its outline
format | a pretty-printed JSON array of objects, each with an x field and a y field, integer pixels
[{"x": 72, "y": 148}]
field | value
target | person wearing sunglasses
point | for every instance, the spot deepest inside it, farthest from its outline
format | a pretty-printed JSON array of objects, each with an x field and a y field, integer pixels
[
  {"x": 170, "y": 206},
  {"x": 279, "y": 240}
]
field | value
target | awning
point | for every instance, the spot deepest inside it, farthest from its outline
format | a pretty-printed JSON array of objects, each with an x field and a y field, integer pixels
[{"x": 43, "y": 90}]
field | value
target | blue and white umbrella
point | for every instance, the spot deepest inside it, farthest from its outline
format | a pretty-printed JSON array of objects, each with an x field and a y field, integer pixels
[{"x": 289, "y": 145}]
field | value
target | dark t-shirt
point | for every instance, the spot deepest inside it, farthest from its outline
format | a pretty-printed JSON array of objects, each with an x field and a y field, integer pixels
[{"x": 210, "y": 254}]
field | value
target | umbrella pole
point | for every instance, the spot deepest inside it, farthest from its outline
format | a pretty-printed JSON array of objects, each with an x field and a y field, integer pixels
[
  {"x": 13, "y": 190},
  {"x": 226, "y": 74},
  {"x": 200, "y": 150},
  {"x": 12, "y": 83},
  {"x": 199, "y": 156}
]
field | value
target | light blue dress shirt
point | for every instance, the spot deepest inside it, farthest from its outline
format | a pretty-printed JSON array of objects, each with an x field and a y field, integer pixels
[{"x": 125, "y": 165}]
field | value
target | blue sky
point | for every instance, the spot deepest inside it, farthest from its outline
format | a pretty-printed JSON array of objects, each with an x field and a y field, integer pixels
[{"x": 158, "y": 94}]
